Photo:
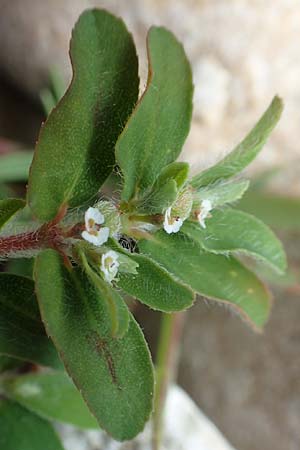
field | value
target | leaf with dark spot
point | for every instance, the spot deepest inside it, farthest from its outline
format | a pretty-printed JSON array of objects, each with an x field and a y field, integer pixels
[{"x": 114, "y": 375}]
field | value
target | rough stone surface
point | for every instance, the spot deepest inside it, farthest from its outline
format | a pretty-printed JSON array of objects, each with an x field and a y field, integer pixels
[{"x": 186, "y": 428}]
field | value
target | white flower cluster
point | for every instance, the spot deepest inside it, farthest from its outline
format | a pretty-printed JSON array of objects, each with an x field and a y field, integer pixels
[
  {"x": 205, "y": 209},
  {"x": 98, "y": 235},
  {"x": 173, "y": 223},
  {"x": 110, "y": 265},
  {"x": 94, "y": 233}
]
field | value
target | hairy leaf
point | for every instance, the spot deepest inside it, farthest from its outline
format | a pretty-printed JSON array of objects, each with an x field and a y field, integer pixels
[
  {"x": 165, "y": 189},
  {"x": 8, "y": 208},
  {"x": 51, "y": 395},
  {"x": 230, "y": 231},
  {"x": 177, "y": 171},
  {"x": 158, "y": 199},
  {"x": 154, "y": 135},
  {"x": 21, "y": 266},
  {"x": 22, "y": 430},
  {"x": 221, "y": 193},
  {"x": 156, "y": 287},
  {"x": 118, "y": 311},
  {"x": 22, "y": 334},
  {"x": 245, "y": 152},
  {"x": 75, "y": 151},
  {"x": 214, "y": 276},
  {"x": 114, "y": 376}
]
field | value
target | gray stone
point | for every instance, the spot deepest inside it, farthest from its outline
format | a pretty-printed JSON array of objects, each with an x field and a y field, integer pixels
[{"x": 186, "y": 428}]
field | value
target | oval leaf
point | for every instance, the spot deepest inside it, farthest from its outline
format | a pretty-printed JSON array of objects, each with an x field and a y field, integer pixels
[
  {"x": 177, "y": 171},
  {"x": 230, "y": 231},
  {"x": 118, "y": 311},
  {"x": 246, "y": 151},
  {"x": 214, "y": 276},
  {"x": 221, "y": 193},
  {"x": 164, "y": 191},
  {"x": 22, "y": 430},
  {"x": 8, "y": 208},
  {"x": 114, "y": 376},
  {"x": 75, "y": 150},
  {"x": 154, "y": 135},
  {"x": 155, "y": 286},
  {"x": 22, "y": 334},
  {"x": 158, "y": 199},
  {"x": 51, "y": 395}
]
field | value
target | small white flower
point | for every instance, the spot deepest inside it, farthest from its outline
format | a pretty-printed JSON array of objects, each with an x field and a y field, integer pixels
[
  {"x": 110, "y": 265},
  {"x": 172, "y": 224},
  {"x": 205, "y": 209},
  {"x": 93, "y": 232}
]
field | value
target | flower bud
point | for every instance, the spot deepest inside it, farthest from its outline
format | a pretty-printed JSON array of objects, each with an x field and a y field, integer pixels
[{"x": 111, "y": 216}]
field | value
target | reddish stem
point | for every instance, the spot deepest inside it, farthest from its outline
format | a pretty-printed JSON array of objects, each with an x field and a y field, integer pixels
[{"x": 48, "y": 236}]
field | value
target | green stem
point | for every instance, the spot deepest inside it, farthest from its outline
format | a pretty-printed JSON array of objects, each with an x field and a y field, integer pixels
[{"x": 166, "y": 368}]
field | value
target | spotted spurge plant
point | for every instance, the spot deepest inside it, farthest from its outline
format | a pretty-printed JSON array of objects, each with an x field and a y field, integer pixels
[{"x": 159, "y": 236}]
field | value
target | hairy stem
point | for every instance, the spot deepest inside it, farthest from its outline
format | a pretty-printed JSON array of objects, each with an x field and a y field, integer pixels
[
  {"x": 166, "y": 368},
  {"x": 48, "y": 236}
]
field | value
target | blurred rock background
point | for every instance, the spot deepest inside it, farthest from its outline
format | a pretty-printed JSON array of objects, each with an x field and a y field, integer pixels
[{"x": 242, "y": 52}]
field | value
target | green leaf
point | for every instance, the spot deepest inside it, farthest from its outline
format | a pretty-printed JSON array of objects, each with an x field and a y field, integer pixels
[
  {"x": 8, "y": 208},
  {"x": 115, "y": 376},
  {"x": 15, "y": 166},
  {"x": 127, "y": 265},
  {"x": 154, "y": 135},
  {"x": 221, "y": 193},
  {"x": 118, "y": 311},
  {"x": 20, "y": 266},
  {"x": 278, "y": 211},
  {"x": 158, "y": 199},
  {"x": 232, "y": 231},
  {"x": 156, "y": 287},
  {"x": 290, "y": 279},
  {"x": 22, "y": 334},
  {"x": 22, "y": 430},
  {"x": 164, "y": 191},
  {"x": 119, "y": 314},
  {"x": 75, "y": 151},
  {"x": 178, "y": 171},
  {"x": 245, "y": 152},
  {"x": 51, "y": 395},
  {"x": 214, "y": 276}
]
